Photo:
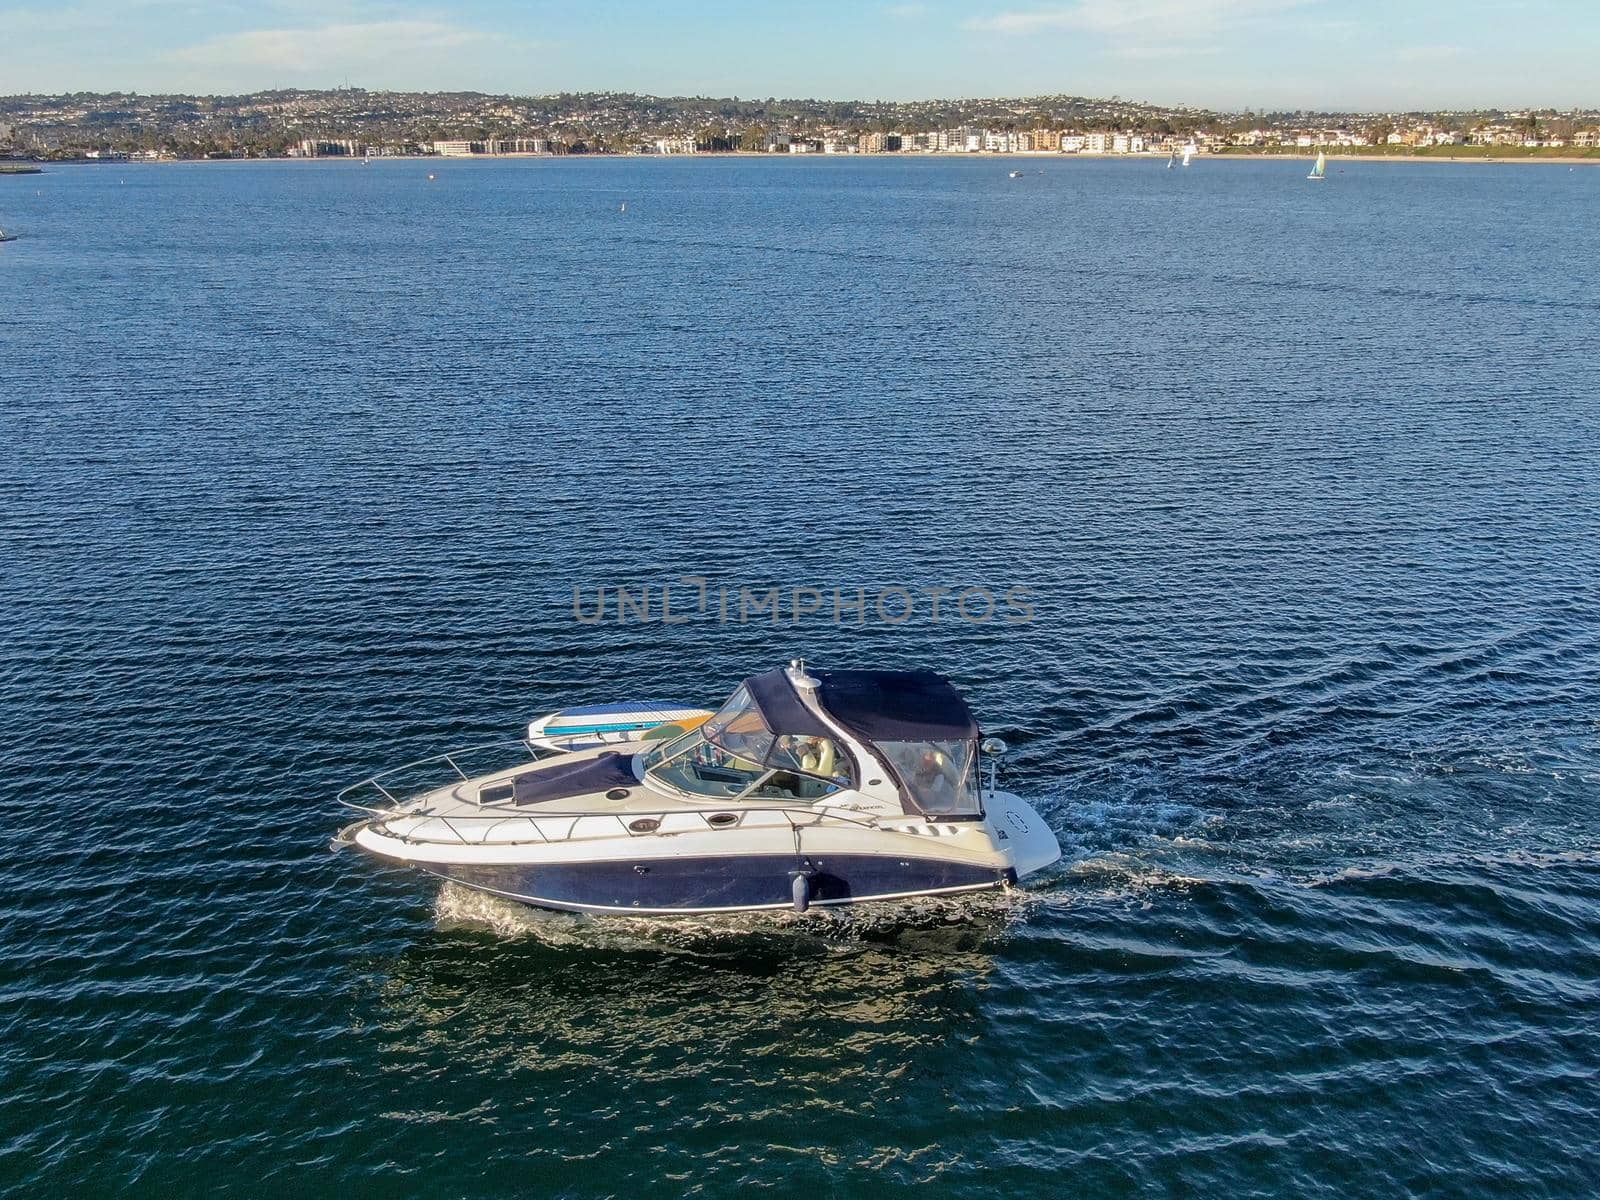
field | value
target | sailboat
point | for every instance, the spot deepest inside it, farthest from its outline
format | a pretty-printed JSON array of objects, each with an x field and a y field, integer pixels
[
  {"x": 1321, "y": 168},
  {"x": 1188, "y": 153},
  {"x": 1172, "y": 160}
]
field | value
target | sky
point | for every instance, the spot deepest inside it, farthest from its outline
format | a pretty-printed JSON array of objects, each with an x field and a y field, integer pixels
[{"x": 1361, "y": 55}]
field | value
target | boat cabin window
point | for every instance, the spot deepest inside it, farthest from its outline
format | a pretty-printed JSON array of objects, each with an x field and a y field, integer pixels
[
  {"x": 735, "y": 754},
  {"x": 739, "y": 729},
  {"x": 941, "y": 777}
]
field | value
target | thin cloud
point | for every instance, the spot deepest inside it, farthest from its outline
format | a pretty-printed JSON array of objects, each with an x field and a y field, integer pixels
[
  {"x": 327, "y": 47},
  {"x": 20, "y": 21},
  {"x": 1429, "y": 53},
  {"x": 125, "y": 14},
  {"x": 1133, "y": 18},
  {"x": 1159, "y": 53}
]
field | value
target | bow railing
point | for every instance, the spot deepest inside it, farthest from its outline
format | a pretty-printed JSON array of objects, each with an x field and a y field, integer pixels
[{"x": 398, "y": 785}]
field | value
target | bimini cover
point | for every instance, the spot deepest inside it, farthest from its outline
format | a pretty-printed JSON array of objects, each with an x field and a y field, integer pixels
[{"x": 897, "y": 706}]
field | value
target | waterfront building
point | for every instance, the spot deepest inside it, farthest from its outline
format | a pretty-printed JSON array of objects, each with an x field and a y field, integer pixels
[
  {"x": 328, "y": 148},
  {"x": 880, "y": 143},
  {"x": 1007, "y": 141}
]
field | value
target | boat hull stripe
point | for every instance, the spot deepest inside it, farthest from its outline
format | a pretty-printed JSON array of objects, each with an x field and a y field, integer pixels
[{"x": 719, "y": 883}]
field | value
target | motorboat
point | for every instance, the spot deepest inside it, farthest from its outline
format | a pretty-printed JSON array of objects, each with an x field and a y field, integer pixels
[
  {"x": 1016, "y": 175},
  {"x": 808, "y": 787}
]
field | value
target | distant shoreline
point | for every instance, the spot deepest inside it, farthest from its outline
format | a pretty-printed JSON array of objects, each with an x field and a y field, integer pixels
[
  {"x": 1340, "y": 155},
  {"x": 1493, "y": 161},
  {"x": 1299, "y": 155}
]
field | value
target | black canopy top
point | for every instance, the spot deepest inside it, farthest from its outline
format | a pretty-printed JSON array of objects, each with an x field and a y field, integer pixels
[
  {"x": 881, "y": 706},
  {"x": 896, "y": 706}
]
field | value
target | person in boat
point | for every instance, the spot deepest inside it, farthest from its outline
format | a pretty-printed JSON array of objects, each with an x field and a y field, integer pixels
[
  {"x": 818, "y": 761},
  {"x": 938, "y": 779}
]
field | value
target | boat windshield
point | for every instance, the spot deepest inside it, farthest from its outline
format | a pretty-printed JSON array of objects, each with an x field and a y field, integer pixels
[
  {"x": 735, "y": 754},
  {"x": 941, "y": 777}
]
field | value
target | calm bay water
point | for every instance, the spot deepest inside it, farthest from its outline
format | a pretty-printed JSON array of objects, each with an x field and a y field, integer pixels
[{"x": 305, "y": 461}]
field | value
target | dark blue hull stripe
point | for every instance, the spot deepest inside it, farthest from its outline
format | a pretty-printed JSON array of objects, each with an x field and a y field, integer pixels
[{"x": 722, "y": 884}]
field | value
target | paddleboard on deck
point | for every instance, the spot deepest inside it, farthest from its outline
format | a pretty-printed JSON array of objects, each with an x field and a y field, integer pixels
[{"x": 598, "y": 724}]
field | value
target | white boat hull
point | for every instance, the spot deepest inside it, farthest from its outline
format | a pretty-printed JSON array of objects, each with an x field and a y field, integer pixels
[{"x": 595, "y": 864}]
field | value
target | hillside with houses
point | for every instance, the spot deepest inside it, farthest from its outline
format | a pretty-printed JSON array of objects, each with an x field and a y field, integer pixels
[{"x": 354, "y": 122}]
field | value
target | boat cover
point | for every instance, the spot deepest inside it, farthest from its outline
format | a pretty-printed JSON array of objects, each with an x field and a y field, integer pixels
[{"x": 560, "y": 780}]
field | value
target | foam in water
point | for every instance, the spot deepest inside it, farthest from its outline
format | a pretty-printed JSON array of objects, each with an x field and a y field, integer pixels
[{"x": 460, "y": 907}]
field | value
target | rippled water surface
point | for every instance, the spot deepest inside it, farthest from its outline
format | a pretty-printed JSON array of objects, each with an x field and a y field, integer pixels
[{"x": 304, "y": 462}]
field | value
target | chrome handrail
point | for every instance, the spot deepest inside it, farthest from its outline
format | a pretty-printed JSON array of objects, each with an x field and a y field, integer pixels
[
  {"x": 375, "y": 781},
  {"x": 380, "y": 817},
  {"x": 812, "y": 817}
]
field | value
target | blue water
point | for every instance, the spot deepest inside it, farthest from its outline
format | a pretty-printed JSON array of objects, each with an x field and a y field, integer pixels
[{"x": 305, "y": 461}]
